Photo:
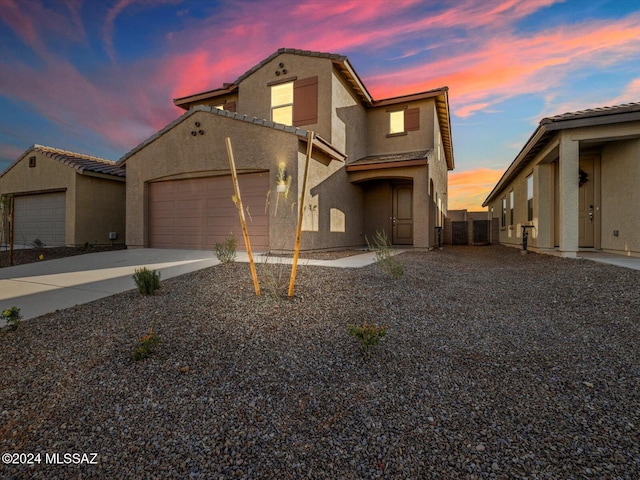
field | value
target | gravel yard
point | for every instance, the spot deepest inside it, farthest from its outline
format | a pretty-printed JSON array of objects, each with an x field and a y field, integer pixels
[{"x": 495, "y": 365}]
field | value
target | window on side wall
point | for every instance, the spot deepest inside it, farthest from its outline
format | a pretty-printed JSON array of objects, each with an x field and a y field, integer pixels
[
  {"x": 511, "y": 202},
  {"x": 530, "y": 198},
  {"x": 503, "y": 220}
]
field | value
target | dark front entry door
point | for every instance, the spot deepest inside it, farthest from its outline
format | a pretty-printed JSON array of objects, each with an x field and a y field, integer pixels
[
  {"x": 402, "y": 211},
  {"x": 586, "y": 204}
]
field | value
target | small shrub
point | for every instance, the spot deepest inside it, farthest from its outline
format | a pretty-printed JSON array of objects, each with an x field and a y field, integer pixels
[
  {"x": 226, "y": 250},
  {"x": 275, "y": 277},
  {"x": 369, "y": 335},
  {"x": 146, "y": 345},
  {"x": 12, "y": 316},
  {"x": 37, "y": 243},
  {"x": 147, "y": 281},
  {"x": 385, "y": 259},
  {"x": 87, "y": 247}
]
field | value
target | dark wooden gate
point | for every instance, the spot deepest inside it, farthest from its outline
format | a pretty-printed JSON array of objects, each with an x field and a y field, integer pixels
[
  {"x": 459, "y": 234},
  {"x": 481, "y": 232}
]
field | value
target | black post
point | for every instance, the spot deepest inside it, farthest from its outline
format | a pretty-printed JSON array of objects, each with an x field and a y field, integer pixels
[
  {"x": 525, "y": 236},
  {"x": 439, "y": 236}
]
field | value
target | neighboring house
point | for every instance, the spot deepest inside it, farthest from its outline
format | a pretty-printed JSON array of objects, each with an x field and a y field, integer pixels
[
  {"x": 64, "y": 198},
  {"x": 575, "y": 183},
  {"x": 377, "y": 165}
]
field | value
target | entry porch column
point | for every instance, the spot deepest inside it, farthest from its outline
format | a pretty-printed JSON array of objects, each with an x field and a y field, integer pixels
[{"x": 569, "y": 166}]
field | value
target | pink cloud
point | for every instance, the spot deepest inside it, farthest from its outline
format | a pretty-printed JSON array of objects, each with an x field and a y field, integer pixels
[
  {"x": 25, "y": 20},
  {"x": 505, "y": 66}
]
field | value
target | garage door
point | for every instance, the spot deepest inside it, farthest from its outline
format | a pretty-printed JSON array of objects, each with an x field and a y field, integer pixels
[
  {"x": 39, "y": 217},
  {"x": 196, "y": 213}
]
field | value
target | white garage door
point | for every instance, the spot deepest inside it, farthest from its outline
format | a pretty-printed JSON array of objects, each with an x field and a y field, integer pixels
[
  {"x": 41, "y": 217},
  {"x": 196, "y": 213}
]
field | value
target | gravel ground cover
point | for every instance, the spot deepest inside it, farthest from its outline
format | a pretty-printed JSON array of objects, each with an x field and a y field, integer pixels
[{"x": 495, "y": 365}]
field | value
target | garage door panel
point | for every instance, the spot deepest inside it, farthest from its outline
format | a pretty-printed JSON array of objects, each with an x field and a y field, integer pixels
[
  {"x": 199, "y": 212},
  {"x": 41, "y": 216}
]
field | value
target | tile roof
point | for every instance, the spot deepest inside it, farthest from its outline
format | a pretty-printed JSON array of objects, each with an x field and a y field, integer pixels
[
  {"x": 392, "y": 157},
  {"x": 83, "y": 164},
  {"x": 548, "y": 128},
  {"x": 80, "y": 162},
  {"x": 593, "y": 112},
  {"x": 319, "y": 142}
]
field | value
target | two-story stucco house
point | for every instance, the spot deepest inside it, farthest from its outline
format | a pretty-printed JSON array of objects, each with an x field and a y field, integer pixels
[
  {"x": 574, "y": 184},
  {"x": 377, "y": 165}
]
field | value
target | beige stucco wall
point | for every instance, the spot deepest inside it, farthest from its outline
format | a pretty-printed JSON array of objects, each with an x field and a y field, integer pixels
[
  {"x": 620, "y": 198},
  {"x": 349, "y": 132},
  {"x": 378, "y": 129},
  {"x": 254, "y": 94},
  {"x": 48, "y": 174},
  {"x": 100, "y": 209},
  {"x": 178, "y": 154},
  {"x": 511, "y": 234}
]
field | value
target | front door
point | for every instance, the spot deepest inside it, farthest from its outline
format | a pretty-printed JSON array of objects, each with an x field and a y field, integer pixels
[
  {"x": 402, "y": 211},
  {"x": 586, "y": 205}
]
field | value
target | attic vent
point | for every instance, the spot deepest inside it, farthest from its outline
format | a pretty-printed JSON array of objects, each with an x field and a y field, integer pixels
[{"x": 32, "y": 162}]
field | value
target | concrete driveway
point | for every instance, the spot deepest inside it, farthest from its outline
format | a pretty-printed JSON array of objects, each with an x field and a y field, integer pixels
[{"x": 43, "y": 287}]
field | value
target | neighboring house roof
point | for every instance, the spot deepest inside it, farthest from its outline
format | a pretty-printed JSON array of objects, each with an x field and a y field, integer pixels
[
  {"x": 389, "y": 160},
  {"x": 318, "y": 142},
  {"x": 549, "y": 126},
  {"x": 83, "y": 164},
  {"x": 342, "y": 63}
]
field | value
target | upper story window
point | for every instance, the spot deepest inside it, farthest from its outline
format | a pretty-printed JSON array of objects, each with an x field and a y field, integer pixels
[
  {"x": 282, "y": 103},
  {"x": 226, "y": 105},
  {"x": 396, "y": 122},
  {"x": 404, "y": 120},
  {"x": 295, "y": 102}
]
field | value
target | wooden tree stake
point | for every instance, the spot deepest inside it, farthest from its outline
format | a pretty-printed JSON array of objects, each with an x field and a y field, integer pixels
[
  {"x": 243, "y": 222},
  {"x": 296, "y": 251}
]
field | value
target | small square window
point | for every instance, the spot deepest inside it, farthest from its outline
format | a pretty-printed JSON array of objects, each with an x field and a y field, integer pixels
[{"x": 32, "y": 162}]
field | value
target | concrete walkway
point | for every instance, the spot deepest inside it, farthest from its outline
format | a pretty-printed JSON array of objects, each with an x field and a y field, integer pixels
[
  {"x": 612, "y": 259},
  {"x": 44, "y": 287}
]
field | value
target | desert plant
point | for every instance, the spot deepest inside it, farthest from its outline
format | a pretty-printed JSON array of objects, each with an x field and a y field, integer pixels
[
  {"x": 275, "y": 277},
  {"x": 146, "y": 345},
  {"x": 12, "y": 316},
  {"x": 226, "y": 251},
  {"x": 147, "y": 281},
  {"x": 385, "y": 258},
  {"x": 369, "y": 335},
  {"x": 37, "y": 243}
]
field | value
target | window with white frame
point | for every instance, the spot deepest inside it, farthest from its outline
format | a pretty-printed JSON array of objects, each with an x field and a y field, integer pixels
[
  {"x": 511, "y": 202},
  {"x": 530, "y": 198},
  {"x": 396, "y": 122},
  {"x": 282, "y": 103},
  {"x": 503, "y": 219}
]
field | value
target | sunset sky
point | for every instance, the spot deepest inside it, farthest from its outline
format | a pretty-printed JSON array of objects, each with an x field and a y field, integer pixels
[{"x": 99, "y": 76}]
